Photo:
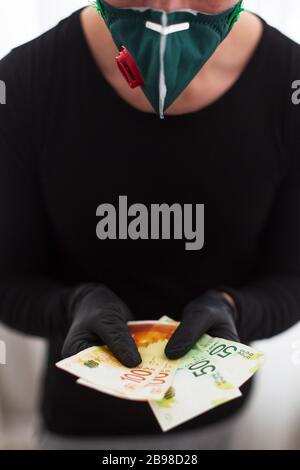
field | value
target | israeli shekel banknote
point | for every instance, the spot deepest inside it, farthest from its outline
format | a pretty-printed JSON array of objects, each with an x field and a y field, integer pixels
[{"x": 208, "y": 376}]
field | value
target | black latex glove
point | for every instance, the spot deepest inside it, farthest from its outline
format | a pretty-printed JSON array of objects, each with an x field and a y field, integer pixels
[
  {"x": 211, "y": 313},
  {"x": 97, "y": 317}
]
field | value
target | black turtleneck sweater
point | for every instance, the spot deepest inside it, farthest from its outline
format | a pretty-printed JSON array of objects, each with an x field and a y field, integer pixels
[{"x": 68, "y": 142}]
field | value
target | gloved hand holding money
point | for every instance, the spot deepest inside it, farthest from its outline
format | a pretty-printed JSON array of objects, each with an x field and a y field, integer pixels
[
  {"x": 208, "y": 375},
  {"x": 97, "y": 315},
  {"x": 209, "y": 313},
  {"x": 101, "y": 370}
]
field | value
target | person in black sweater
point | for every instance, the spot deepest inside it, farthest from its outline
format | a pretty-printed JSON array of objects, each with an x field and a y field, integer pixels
[{"x": 73, "y": 136}]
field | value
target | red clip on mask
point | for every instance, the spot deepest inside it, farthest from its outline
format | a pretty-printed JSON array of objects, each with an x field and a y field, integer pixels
[{"x": 129, "y": 68}]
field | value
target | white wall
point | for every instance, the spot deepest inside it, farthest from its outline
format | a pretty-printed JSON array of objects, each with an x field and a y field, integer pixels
[
  {"x": 21, "y": 20},
  {"x": 272, "y": 419}
]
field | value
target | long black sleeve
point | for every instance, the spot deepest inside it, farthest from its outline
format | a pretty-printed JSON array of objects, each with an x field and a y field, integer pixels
[
  {"x": 30, "y": 300},
  {"x": 270, "y": 303}
]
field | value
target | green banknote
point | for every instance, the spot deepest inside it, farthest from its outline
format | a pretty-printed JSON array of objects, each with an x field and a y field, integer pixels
[
  {"x": 199, "y": 385},
  {"x": 208, "y": 376},
  {"x": 237, "y": 361}
]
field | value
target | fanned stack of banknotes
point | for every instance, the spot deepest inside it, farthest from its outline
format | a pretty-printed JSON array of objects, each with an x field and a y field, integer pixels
[{"x": 177, "y": 391}]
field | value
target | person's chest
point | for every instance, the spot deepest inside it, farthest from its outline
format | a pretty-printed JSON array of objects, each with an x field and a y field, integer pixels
[{"x": 101, "y": 151}]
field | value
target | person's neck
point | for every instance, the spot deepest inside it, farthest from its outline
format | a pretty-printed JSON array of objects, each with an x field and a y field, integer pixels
[{"x": 217, "y": 76}]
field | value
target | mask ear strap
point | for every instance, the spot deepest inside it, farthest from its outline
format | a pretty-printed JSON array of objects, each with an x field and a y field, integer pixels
[
  {"x": 99, "y": 8},
  {"x": 234, "y": 16}
]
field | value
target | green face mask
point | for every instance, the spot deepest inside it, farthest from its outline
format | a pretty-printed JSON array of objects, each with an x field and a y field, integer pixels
[{"x": 162, "y": 52}]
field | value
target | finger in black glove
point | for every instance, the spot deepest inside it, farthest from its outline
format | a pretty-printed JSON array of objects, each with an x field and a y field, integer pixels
[
  {"x": 211, "y": 313},
  {"x": 98, "y": 316}
]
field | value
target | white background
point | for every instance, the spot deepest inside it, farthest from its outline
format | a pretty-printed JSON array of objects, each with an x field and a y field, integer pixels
[
  {"x": 272, "y": 419},
  {"x": 21, "y": 20}
]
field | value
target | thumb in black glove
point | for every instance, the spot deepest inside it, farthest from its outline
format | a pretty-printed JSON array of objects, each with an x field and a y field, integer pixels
[
  {"x": 98, "y": 316},
  {"x": 211, "y": 313}
]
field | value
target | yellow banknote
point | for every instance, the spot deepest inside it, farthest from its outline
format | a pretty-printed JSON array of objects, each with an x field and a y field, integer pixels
[
  {"x": 98, "y": 368},
  {"x": 153, "y": 390}
]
